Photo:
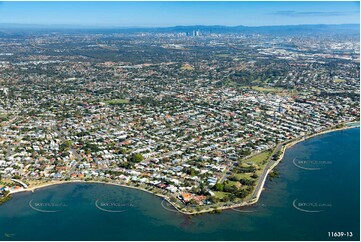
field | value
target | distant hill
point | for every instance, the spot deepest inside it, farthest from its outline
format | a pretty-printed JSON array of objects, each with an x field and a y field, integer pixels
[{"x": 279, "y": 30}]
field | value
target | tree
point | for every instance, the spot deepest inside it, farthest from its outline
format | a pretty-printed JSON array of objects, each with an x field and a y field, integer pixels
[
  {"x": 202, "y": 188},
  {"x": 122, "y": 151},
  {"x": 219, "y": 187},
  {"x": 233, "y": 178},
  {"x": 65, "y": 145},
  {"x": 232, "y": 197},
  {"x": 254, "y": 175},
  {"x": 136, "y": 158},
  {"x": 242, "y": 193},
  {"x": 126, "y": 165},
  {"x": 193, "y": 202},
  {"x": 247, "y": 182},
  {"x": 214, "y": 199},
  {"x": 230, "y": 189},
  {"x": 225, "y": 199}
]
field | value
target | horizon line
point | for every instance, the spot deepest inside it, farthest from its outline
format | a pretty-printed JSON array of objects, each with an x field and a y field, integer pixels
[{"x": 59, "y": 25}]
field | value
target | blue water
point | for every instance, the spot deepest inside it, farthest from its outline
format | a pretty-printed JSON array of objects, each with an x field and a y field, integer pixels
[{"x": 331, "y": 189}]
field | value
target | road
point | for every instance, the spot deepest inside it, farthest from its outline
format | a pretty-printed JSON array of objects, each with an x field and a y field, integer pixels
[
  {"x": 73, "y": 151},
  {"x": 8, "y": 151},
  {"x": 10, "y": 147}
]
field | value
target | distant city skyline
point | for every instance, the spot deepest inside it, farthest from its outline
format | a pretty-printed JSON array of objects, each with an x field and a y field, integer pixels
[{"x": 163, "y": 14}]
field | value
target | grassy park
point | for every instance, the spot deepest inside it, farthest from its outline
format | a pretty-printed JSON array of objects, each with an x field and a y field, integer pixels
[
  {"x": 117, "y": 101},
  {"x": 187, "y": 67}
]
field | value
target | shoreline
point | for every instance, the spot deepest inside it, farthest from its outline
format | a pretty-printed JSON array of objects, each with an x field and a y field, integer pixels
[
  {"x": 293, "y": 143},
  {"x": 249, "y": 202}
]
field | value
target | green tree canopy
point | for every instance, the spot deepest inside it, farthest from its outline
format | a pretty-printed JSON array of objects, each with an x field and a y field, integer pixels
[{"x": 136, "y": 158}]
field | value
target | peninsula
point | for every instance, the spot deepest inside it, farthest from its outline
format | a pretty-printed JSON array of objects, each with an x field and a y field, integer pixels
[{"x": 196, "y": 117}]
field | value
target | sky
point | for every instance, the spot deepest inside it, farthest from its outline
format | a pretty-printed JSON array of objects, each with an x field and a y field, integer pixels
[{"x": 161, "y": 14}]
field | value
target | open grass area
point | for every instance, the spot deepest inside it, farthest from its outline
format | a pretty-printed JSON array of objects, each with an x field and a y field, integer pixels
[
  {"x": 276, "y": 90},
  {"x": 258, "y": 159},
  {"x": 220, "y": 195},
  {"x": 7, "y": 182},
  {"x": 339, "y": 80},
  {"x": 187, "y": 67},
  {"x": 243, "y": 175},
  {"x": 230, "y": 183},
  {"x": 266, "y": 89},
  {"x": 117, "y": 101}
]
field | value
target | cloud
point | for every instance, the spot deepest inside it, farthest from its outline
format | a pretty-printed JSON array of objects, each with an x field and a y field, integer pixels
[{"x": 316, "y": 14}]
